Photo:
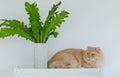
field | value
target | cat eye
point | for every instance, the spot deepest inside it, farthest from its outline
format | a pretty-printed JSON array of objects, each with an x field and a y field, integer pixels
[{"x": 93, "y": 54}]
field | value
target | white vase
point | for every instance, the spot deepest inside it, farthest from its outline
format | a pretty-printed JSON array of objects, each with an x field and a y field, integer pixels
[{"x": 40, "y": 55}]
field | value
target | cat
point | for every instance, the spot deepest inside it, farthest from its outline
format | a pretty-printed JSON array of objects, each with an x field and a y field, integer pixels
[{"x": 92, "y": 57}]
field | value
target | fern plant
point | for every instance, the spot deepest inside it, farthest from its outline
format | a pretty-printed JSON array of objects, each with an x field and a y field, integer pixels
[{"x": 37, "y": 31}]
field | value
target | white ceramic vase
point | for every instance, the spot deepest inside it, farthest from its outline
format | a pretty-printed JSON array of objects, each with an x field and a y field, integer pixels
[{"x": 40, "y": 55}]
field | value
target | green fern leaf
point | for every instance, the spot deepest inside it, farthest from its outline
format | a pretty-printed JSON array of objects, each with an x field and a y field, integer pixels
[
  {"x": 5, "y": 32},
  {"x": 51, "y": 14},
  {"x": 56, "y": 21},
  {"x": 14, "y": 24},
  {"x": 18, "y": 26},
  {"x": 34, "y": 18}
]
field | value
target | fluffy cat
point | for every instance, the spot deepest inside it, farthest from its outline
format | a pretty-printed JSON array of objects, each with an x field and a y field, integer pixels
[{"x": 77, "y": 58}]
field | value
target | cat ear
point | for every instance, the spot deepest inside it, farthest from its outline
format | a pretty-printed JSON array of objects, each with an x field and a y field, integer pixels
[{"x": 98, "y": 48}]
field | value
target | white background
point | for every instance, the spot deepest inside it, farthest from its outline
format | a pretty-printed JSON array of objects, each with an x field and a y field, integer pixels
[{"x": 91, "y": 23}]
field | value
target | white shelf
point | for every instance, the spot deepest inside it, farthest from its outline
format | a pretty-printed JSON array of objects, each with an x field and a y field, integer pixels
[{"x": 31, "y": 72}]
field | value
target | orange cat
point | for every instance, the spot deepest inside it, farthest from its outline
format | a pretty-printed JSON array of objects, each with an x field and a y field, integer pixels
[{"x": 77, "y": 58}]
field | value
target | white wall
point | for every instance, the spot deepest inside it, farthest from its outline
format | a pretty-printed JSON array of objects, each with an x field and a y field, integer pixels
[{"x": 91, "y": 23}]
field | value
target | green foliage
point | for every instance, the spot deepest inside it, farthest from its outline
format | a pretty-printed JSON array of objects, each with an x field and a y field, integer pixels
[{"x": 39, "y": 31}]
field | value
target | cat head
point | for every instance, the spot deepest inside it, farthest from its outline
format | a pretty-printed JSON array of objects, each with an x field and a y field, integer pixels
[{"x": 93, "y": 56}]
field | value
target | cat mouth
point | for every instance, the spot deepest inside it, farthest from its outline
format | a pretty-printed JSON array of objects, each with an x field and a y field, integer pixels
[{"x": 89, "y": 60}]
